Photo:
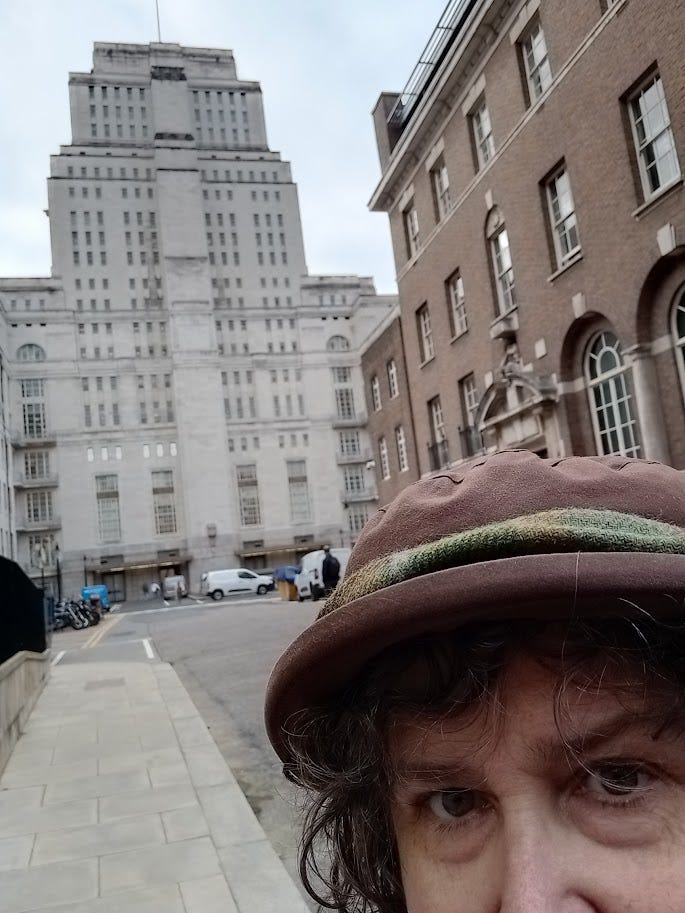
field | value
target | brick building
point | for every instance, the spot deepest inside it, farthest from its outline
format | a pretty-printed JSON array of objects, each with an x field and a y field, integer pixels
[{"x": 532, "y": 174}]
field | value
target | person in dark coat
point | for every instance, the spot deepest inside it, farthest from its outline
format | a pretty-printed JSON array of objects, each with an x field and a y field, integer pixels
[
  {"x": 22, "y": 618},
  {"x": 330, "y": 570}
]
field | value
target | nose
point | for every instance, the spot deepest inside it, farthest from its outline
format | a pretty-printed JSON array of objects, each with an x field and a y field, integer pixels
[{"x": 542, "y": 871}]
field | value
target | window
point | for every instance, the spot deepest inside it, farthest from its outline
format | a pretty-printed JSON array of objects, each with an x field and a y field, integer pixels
[
  {"x": 437, "y": 422},
  {"x": 38, "y": 506},
  {"x": 393, "y": 386},
  {"x": 411, "y": 229},
  {"x": 349, "y": 443},
  {"x": 654, "y": 141},
  {"x": 30, "y": 352},
  {"x": 482, "y": 134},
  {"x": 376, "y": 393},
  {"x": 298, "y": 489},
  {"x": 562, "y": 216},
  {"x": 383, "y": 457},
  {"x": 504, "y": 272},
  {"x": 107, "y": 496},
  {"x": 248, "y": 495},
  {"x": 536, "y": 63},
  {"x": 338, "y": 344},
  {"x": 678, "y": 332},
  {"x": 341, "y": 375},
  {"x": 423, "y": 323},
  {"x": 457, "y": 304},
  {"x": 163, "y": 501},
  {"x": 468, "y": 395},
  {"x": 33, "y": 408},
  {"x": 441, "y": 189},
  {"x": 344, "y": 402},
  {"x": 358, "y": 515},
  {"x": 36, "y": 464},
  {"x": 401, "y": 444},
  {"x": 355, "y": 482},
  {"x": 610, "y": 399}
]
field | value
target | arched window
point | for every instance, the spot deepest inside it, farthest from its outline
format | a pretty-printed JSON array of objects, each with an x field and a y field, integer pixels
[
  {"x": 678, "y": 331},
  {"x": 338, "y": 344},
  {"x": 610, "y": 398},
  {"x": 30, "y": 352}
]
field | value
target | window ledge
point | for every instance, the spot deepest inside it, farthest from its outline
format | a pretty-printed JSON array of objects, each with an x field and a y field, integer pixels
[
  {"x": 426, "y": 362},
  {"x": 576, "y": 258},
  {"x": 659, "y": 197},
  {"x": 458, "y": 335}
]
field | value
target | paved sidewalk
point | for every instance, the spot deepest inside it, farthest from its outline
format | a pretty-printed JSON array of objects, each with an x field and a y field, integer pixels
[{"x": 117, "y": 799}]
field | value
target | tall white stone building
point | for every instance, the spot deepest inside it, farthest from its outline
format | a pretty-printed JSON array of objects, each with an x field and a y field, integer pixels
[{"x": 181, "y": 396}]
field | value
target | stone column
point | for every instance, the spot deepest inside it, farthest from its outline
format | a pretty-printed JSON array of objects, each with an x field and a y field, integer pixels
[{"x": 653, "y": 438}]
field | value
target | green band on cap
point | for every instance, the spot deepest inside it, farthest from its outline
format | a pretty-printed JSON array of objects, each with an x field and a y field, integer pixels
[{"x": 562, "y": 530}]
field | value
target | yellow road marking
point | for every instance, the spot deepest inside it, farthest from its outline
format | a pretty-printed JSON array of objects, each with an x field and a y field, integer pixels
[{"x": 102, "y": 630}]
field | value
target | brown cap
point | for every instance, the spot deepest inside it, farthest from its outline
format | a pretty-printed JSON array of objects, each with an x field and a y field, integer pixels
[{"x": 512, "y": 537}]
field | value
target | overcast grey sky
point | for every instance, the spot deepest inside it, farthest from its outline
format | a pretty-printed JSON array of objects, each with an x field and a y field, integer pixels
[{"x": 321, "y": 65}]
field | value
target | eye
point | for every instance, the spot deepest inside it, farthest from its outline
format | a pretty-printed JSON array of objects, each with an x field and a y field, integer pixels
[
  {"x": 454, "y": 803},
  {"x": 618, "y": 779}
]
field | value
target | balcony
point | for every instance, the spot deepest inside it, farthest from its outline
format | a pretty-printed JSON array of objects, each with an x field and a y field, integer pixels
[
  {"x": 48, "y": 439},
  {"x": 506, "y": 325},
  {"x": 355, "y": 497},
  {"x": 24, "y": 481},
  {"x": 30, "y": 525},
  {"x": 353, "y": 421},
  {"x": 363, "y": 455},
  {"x": 471, "y": 441},
  {"x": 439, "y": 455}
]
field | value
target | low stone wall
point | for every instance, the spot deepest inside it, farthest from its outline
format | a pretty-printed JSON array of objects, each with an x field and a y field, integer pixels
[{"x": 22, "y": 678}]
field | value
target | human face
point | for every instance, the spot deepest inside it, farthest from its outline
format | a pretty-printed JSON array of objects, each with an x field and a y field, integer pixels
[{"x": 512, "y": 811}]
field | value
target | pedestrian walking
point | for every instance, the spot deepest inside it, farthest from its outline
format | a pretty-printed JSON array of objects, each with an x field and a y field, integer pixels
[{"x": 488, "y": 713}]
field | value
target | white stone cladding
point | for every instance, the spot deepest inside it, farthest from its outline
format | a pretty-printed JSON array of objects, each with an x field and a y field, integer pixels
[{"x": 181, "y": 334}]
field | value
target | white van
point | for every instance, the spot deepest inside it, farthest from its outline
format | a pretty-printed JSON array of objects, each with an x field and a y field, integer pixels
[
  {"x": 218, "y": 584},
  {"x": 309, "y": 582}
]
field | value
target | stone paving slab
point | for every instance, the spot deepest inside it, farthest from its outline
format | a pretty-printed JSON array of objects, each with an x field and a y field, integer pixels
[{"x": 119, "y": 801}]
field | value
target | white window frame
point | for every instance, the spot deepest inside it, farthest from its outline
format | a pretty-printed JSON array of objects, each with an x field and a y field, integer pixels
[
  {"x": 108, "y": 508},
  {"x": 679, "y": 338},
  {"x": 609, "y": 394},
  {"x": 410, "y": 217},
  {"x": 469, "y": 398},
  {"x": 401, "y": 444},
  {"x": 437, "y": 420},
  {"x": 504, "y": 272},
  {"x": 423, "y": 318},
  {"x": 562, "y": 216},
  {"x": 536, "y": 62},
  {"x": 393, "y": 384},
  {"x": 648, "y": 138},
  {"x": 457, "y": 299},
  {"x": 482, "y": 133},
  {"x": 441, "y": 188},
  {"x": 376, "y": 393},
  {"x": 384, "y": 458}
]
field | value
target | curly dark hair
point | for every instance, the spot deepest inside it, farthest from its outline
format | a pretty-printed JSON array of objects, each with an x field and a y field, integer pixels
[{"x": 348, "y": 856}]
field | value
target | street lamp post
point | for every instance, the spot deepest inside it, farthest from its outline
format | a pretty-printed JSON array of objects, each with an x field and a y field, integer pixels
[
  {"x": 58, "y": 569},
  {"x": 85, "y": 572}
]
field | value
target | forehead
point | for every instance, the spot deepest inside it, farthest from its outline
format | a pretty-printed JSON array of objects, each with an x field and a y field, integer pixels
[{"x": 533, "y": 710}]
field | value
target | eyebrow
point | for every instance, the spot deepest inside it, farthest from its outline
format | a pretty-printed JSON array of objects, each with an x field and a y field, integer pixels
[{"x": 548, "y": 749}]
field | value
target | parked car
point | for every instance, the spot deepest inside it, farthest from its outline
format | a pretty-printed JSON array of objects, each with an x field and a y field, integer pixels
[
  {"x": 218, "y": 584},
  {"x": 309, "y": 582},
  {"x": 174, "y": 585}
]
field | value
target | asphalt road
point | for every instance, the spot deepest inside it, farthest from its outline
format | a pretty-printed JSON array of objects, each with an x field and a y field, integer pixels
[{"x": 223, "y": 653}]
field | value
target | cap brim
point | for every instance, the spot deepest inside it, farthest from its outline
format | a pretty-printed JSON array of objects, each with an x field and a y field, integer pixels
[{"x": 334, "y": 649}]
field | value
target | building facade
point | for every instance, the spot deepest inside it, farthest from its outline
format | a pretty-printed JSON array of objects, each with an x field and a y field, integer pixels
[
  {"x": 173, "y": 396},
  {"x": 532, "y": 173}
]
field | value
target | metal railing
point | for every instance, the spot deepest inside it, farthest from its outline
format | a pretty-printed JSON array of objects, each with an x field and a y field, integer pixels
[
  {"x": 450, "y": 24},
  {"x": 471, "y": 441},
  {"x": 439, "y": 455}
]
